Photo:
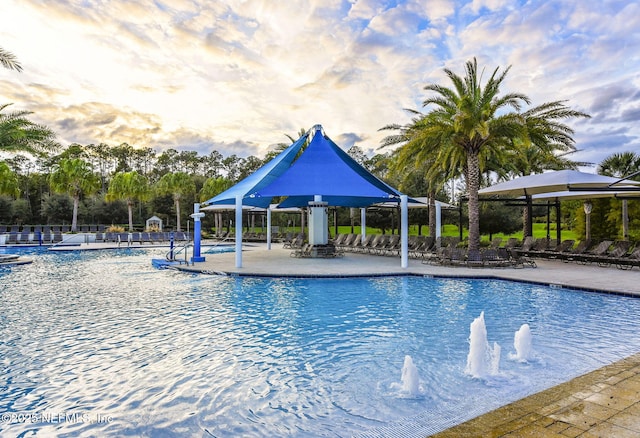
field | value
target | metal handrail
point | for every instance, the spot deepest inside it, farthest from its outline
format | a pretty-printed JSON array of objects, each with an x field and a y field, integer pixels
[{"x": 177, "y": 250}]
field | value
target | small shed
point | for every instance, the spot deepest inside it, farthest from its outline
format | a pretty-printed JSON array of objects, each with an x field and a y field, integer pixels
[{"x": 154, "y": 223}]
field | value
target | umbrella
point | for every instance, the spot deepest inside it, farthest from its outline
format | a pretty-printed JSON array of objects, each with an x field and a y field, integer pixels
[{"x": 557, "y": 181}]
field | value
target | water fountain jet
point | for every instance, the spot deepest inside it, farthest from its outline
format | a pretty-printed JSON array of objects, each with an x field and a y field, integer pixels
[
  {"x": 410, "y": 378},
  {"x": 482, "y": 359},
  {"x": 522, "y": 342}
]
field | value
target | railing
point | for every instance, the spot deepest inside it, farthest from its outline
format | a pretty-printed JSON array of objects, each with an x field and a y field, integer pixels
[{"x": 174, "y": 252}]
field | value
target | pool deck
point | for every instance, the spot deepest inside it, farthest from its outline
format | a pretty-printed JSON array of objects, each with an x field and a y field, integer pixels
[{"x": 602, "y": 403}]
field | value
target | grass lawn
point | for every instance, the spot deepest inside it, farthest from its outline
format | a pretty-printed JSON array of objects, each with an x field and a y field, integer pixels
[{"x": 539, "y": 231}]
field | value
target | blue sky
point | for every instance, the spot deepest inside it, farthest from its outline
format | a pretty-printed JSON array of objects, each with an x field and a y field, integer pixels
[{"x": 236, "y": 76}]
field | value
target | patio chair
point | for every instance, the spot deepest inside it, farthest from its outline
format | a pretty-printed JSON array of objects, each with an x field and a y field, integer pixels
[
  {"x": 492, "y": 258},
  {"x": 56, "y": 237},
  {"x": 619, "y": 249},
  {"x": 12, "y": 238},
  {"x": 630, "y": 260},
  {"x": 25, "y": 237},
  {"x": 457, "y": 257},
  {"x": 392, "y": 247},
  {"x": 423, "y": 245},
  {"x": 475, "y": 258},
  {"x": 362, "y": 246},
  {"x": 302, "y": 251},
  {"x": 136, "y": 237},
  {"x": 520, "y": 260},
  {"x": 377, "y": 243},
  {"x": 598, "y": 252},
  {"x": 582, "y": 247},
  {"x": 564, "y": 247}
]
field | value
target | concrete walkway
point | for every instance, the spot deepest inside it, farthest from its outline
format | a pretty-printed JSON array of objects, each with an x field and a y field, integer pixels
[{"x": 603, "y": 403}]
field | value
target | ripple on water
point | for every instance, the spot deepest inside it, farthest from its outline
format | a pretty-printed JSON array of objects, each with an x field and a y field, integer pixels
[{"x": 170, "y": 354}]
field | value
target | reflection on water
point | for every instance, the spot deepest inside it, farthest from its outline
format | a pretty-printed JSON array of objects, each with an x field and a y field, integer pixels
[{"x": 100, "y": 343}]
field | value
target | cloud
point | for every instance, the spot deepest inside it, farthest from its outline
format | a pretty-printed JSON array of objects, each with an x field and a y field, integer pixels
[{"x": 239, "y": 74}]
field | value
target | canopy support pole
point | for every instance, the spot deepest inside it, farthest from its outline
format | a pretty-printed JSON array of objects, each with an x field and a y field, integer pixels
[
  {"x": 197, "y": 231},
  {"x": 438, "y": 220},
  {"x": 558, "y": 222},
  {"x": 363, "y": 224},
  {"x": 404, "y": 230},
  {"x": 238, "y": 231},
  {"x": 269, "y": 228}
]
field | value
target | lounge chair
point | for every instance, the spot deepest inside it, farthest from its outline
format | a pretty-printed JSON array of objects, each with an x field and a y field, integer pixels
[
  {"x": 378, "y": 243},
  {"x": 618, "y": 250},
  {"x": 457, "y": 257},
  {"x": 422, "y": 245},
  {"x": 362, "y": 246},
  {"x": 630, "y": 260},
  {"x": 12, "y": 238},
  {"x": 564, "y": 247},
  {"x": 302, "y": 251},
  {"x": 25, "y": 237},
  {"x": 475, "y": 258},
  {"x": 492, "y": 258},
  {"x": 520, "y": 260},
  {"x": 136, "y": 237},
  {"x": 592, "y": 256},
  {"x": 582, "y": 247},
  {"x": 57, "y": 237},
  {"x": 393, "y": 246}
]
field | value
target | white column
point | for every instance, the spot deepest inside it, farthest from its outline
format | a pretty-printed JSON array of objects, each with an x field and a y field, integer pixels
[
  {"x": 438, "y": 220},
  {"x": 268, "y": 228},
  {"x": 238, "y": 231},
  {"x": 363, "y": 224},
  {"x": 404, "y": 230}
]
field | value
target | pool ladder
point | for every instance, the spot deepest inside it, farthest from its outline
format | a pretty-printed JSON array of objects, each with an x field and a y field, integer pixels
[{"x": 172, "y": 255}]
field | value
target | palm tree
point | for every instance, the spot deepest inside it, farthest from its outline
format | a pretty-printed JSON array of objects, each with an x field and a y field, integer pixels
[
  {"x": 129, "y": 186},
  {"x": 18, "y": 134},
  {"x": 621, "y": 165},
  {"x": 418, "y": 155},
  {"x": 177, "y": 185},
  {"x": 471, "y": 122},
  {"x": 74, "y": 177},
  {"x": 9, "y": 60},
  {"x": 472, "y": 127},
  {"x": 8, "y": 181}
]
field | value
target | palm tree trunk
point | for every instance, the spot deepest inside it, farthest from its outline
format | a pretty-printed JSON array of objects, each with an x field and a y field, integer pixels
[
  {"x": 130, "y": 207},
  {"x": 74, "y": 219},
  {"x": 473, "y": 185},
  {"x": 432, "y": 213},
  {"x": 178, "y": 215}
]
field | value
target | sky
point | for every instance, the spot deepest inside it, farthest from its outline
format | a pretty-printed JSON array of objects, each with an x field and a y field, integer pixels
[{"x": 238, "y": 76}]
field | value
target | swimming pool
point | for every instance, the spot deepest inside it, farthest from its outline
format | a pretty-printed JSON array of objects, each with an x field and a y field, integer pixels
[{"x": 100, "y": 343}]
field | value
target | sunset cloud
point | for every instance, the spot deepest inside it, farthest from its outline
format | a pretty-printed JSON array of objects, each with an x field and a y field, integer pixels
[{"x": 236, "y": 76}]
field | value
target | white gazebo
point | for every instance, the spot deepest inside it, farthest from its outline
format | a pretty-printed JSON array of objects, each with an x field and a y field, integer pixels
[{"x": 154, "y": 222}]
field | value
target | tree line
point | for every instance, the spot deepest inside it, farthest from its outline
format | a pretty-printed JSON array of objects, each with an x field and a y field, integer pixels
[{"x": 468, "y": 132}]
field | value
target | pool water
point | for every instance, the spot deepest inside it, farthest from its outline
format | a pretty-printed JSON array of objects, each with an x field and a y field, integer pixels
[{"x": 99, "y": 343}]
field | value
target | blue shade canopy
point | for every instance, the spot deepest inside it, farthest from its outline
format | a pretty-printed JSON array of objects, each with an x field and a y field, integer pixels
[
  {"x": 325, "y": 169},
  {"x": 260, "y": 178}
]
